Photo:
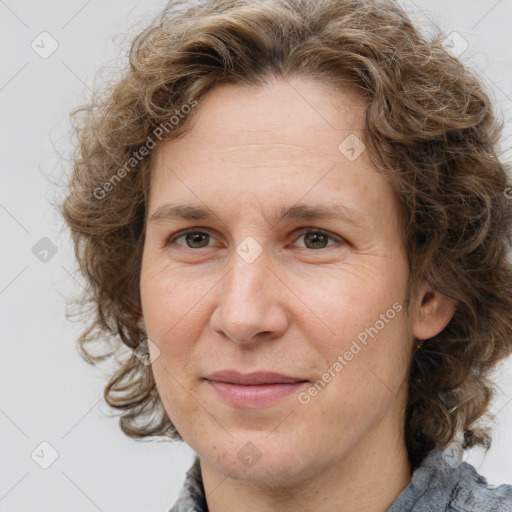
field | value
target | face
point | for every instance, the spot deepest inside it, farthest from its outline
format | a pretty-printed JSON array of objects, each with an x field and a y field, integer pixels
[{"x": 317, "y": 299}]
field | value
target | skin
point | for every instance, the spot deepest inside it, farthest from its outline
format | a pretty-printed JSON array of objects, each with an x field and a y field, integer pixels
[{"x": 293, "y": 310}]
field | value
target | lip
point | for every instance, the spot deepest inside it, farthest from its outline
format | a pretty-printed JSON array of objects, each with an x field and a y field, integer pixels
[
  {"x": 253, "y": 390},
  {"x": 254, "y": 378}
]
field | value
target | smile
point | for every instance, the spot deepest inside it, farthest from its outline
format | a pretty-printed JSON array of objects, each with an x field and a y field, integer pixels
[
  {"x": 254, "y": 396},
  {"x": 255, "y": 390}
]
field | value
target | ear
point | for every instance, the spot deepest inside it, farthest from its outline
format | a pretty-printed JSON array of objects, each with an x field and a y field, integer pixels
[
  {"x": 141, "y": 325},
  {"x": 433, "y": 312}
]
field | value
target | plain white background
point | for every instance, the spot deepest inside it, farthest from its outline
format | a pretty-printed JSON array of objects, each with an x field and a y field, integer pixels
[{"x": 47, "y": 392}]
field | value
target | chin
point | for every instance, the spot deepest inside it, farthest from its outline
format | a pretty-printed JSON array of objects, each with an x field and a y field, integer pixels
[{"x": 260, "y": 459}]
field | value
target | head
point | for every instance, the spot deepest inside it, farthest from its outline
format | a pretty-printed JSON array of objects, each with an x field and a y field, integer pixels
[{"x": 391, "y": 311}]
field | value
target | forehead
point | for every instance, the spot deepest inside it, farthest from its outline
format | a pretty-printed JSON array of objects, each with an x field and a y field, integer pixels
[
  {"x": 282, "y": 143},
  {"x": 297, "y": 122},
  {"x": 280, "y": 113}
]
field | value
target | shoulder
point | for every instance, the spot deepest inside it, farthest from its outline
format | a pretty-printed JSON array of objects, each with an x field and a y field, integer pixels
[
  {"x": 443, "y": 482},
  {"x": 472, "y": 493}
]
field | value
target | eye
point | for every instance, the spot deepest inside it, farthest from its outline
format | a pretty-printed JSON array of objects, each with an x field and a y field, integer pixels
[
  {"x": 317, "y": 238},
  {"x": 194, "y": 239}
]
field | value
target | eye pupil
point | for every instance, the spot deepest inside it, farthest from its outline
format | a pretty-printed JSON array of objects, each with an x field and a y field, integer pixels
[
  {"x": 314, "y": 237},
  {"x": 192, "y": 238}
]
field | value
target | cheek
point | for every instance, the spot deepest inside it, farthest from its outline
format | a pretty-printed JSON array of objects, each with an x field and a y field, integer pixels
[
  {"x": 348, "y": 299},
  {"x": 359, "y": 316},
  {"x": 166, "y": 297},
  {"x": 167, "y": 309}
]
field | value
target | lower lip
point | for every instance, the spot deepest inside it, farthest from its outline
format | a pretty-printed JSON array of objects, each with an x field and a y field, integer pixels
[{"x": 252, "y": 397}]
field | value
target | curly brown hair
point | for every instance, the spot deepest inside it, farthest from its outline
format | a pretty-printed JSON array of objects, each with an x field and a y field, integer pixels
[{"x": 429, "y": 126}]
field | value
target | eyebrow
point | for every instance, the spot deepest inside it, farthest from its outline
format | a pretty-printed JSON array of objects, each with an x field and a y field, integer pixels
[{"x": 300, "y": 211}]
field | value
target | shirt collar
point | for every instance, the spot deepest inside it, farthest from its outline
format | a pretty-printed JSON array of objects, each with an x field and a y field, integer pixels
[
  {"x": 433, "y": 481},
  {"x": 192, "y": 495}
]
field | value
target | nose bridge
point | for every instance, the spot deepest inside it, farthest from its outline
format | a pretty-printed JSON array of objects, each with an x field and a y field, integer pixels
[
  {"x": 245, "y": 293},
  {"x": 247, "y": 304},
  {"x": 249, "y": 260}
]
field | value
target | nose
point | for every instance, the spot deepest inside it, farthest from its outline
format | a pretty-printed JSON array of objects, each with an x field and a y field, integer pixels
[{"x": 250, "y": 306}]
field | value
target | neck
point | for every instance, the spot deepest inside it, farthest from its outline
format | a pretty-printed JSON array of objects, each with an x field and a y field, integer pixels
[{"x": 368, "y": 479}]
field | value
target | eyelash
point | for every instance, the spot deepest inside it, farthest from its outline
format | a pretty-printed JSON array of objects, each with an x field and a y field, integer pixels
[{"x": 302, "y": 232}]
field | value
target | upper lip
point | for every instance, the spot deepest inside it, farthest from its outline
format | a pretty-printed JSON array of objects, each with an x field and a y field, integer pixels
[{"x": 254, "y": 378}]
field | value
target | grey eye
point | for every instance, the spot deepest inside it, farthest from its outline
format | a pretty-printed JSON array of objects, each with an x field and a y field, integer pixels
[{"x": 195, "y": 239}]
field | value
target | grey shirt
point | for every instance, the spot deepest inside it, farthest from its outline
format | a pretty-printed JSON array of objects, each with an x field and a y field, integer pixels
[{"x": 436, "y": 486}]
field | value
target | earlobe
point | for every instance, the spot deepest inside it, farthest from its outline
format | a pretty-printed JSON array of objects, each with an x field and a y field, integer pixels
[
  {"x": 141, "y": 324},
  {"x": 433, "y": 312}
]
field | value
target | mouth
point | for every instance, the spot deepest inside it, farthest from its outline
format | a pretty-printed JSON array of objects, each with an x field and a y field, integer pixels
[{"x": 253, "y": 390}]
